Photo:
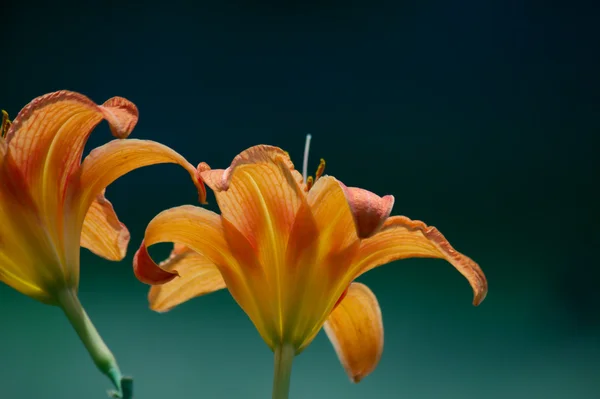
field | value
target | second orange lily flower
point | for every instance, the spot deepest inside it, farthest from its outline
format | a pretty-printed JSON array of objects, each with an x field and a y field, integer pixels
[
  {"x": 289, "y": 252},
  {"x": 52, "y": 203}
]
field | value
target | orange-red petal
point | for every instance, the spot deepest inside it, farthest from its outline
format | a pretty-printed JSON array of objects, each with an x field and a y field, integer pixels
[
  {"x": 355, "y": 328},
  {"x": 47, "y": 138},
  {"x": 401, "y": 238}
]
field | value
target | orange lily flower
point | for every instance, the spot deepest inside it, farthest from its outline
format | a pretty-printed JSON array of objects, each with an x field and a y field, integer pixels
[
  {"x": 51, "y": 202},
  {"x": 289, "y": 252}
]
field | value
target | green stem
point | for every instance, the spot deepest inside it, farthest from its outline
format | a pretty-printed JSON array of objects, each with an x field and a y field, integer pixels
[
  {"x": 101, "y": 355},
  {"x": 284, "y": 356}
]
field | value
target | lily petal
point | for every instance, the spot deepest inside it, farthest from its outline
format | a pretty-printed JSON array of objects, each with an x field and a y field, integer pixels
[
  {"x": 401, "y": 238},
  {"x": 333, "y": 214},
  {"x": 103, "y": 233},
  {"x": 194, "y": 227},
  {"x": 201, "y": 231},
  {"x": 369, "y": 210},
  {"x": 259, "y": 194},
  {"x": 11, "y": 276},
  {"x": 219, "y": 179},
  {"x": 107, "y": 163},
  {"x": 324, "y": 241},
  {"x": 23, "y": 245},
  {"x": 355, "y": 328},
  {"x": 17, "y": 256},
  {"x": 47, "y": 138},
  {"x": 198, "y": 276}
]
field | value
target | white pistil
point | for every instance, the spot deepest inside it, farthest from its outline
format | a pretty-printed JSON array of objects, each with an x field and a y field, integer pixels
[{"x": 305, "y": 163}]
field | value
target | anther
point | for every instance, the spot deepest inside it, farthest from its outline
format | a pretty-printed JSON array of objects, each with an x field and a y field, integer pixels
[
  {"x": 5, "y": 124},
  {"x": 320, "y": 169},
  {"x": 309, "y": 182}
]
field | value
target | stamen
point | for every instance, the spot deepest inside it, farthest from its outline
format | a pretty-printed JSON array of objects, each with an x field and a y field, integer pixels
[
  {"x": 320, "y": 169},
  {"x": 309, "y": 183},
  {"x": 5, "y": 124},
  {"x": 305, "y": 163}
]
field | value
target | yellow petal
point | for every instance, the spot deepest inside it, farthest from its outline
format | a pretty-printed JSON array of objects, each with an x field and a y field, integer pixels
[
  {"x": 103, "y": 233},
  {"x": 201, "y": 231},
  {"x": 355, "y": 329},
  {"x": 402, "y": 238},
  {"x": 260, "y": 194},
  {"x": 107, "y": 163},
  {"x": 17, "y": 267},
  {"x": 10, "y": 276},
  {"x": 297, "y": 307},
  {"x": 28, "y": 259},
  {"x": 198, "y": 276}
]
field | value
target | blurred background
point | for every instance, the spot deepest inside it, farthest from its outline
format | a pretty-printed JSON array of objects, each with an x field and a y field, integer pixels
[{"x": 481, "y": 118}]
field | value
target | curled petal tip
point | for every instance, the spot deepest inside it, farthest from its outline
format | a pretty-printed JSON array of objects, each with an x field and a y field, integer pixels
[
  {"x": 465, "y": 265},
  {"x": 480, "y": 296},
  {"x": 402, "y": 238},
  {"x": 201, "y": 191},
  {"x": 122, "y": 115},
  {"x": 480, "y": 293},
  {"x": 149, "y": 272},
  {"x": 219, "y": 179},
  {"x": 203, "y": 167},
  {"x": 369, "y": 210}
]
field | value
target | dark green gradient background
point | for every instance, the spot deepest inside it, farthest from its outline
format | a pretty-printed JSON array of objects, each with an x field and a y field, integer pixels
[{"x": 480, "y": 117}]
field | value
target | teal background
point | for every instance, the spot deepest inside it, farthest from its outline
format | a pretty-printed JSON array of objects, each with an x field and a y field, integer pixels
[{"x": 481, "y": 118}]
